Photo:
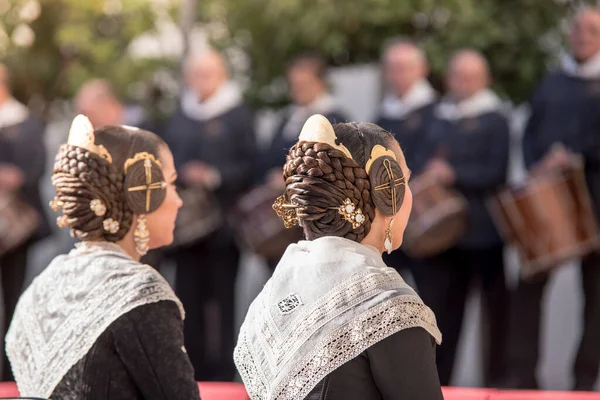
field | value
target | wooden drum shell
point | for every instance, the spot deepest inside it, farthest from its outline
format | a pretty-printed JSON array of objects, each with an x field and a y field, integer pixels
[
  {"x": 550, "y": 219},
  {"x": 438, "y": 218}
]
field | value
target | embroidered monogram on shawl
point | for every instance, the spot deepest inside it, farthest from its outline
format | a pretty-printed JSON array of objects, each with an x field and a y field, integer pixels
[
  {"x": 289, "y": 303},
  {"x": 65, "y": 310}
]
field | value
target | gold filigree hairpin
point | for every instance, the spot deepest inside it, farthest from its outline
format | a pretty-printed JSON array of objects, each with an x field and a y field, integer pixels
[
  {"x": 82, "y": 135},
  {"x": 289, "y": 212}
]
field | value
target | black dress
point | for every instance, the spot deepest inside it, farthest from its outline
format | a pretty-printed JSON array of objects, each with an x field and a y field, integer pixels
[
  {"x": 402, "y": 366},
  {"x": 140, "y": 356}
]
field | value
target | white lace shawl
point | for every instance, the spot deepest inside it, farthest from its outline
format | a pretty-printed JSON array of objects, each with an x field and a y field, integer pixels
[
  {"x": 327, "y": 301},
  {"x": 69, "y": 305}
]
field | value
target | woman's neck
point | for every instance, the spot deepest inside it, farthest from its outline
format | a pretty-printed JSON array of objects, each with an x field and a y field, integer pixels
[
  {"x": 374, "y": 241},
  {"x": 128, "y": 245}
]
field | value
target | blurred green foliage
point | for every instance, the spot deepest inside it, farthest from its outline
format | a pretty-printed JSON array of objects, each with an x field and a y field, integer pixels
[
  {"x": 518, "y": 36},
  {"x": 74, "y": 40}
]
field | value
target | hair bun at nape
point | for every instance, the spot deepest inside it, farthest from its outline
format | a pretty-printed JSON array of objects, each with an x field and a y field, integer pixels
[
  {"x": 145, "y": 187},
  {"x": 387, "y": 180}
]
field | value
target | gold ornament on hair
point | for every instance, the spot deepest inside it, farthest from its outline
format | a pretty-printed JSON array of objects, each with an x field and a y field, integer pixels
[
  {"x": 141, "y": 236},
  {"x": 82, "y": 135},
  {"x": 391, "y": 184},
  {"x": 288, "y": 212},
  {"x": 380, "y": 151},
  {"x": 149, "y": 186},
  {"x": 318, "y": 129},
  {"x": 376, "y": 152}
]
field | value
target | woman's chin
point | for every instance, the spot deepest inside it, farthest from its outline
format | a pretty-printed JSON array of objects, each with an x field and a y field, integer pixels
[{"x": 163, "y": 242}]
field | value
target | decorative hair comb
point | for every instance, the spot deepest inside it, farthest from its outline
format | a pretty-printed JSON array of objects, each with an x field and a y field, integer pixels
[
  {"x": 376, "y": 152},
  {"x": 289, "y": 212},
  {"x": 318, "y": 129},
  {"x": 82, "y": 135}
]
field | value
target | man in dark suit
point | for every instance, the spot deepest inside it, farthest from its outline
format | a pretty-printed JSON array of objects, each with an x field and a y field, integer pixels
[
  {"x": 406, "y": 111},
  {"x": 212, "y": 138},
  {"x": 22, "y": 164},
  {"x": 306, "y": 77},
  {"x": 468, "y": 145},
  {"x": 564, "y": 121}
]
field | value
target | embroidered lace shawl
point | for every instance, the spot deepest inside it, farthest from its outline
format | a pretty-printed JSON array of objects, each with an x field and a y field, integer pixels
[
  {"x": 327, "y": 301},
  {"x": 69, "y": 305}
]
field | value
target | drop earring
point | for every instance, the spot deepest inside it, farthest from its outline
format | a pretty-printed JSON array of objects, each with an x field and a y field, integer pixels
[
  {"x": 387, "y": 243},
  {"x": 141, "y": 236}
]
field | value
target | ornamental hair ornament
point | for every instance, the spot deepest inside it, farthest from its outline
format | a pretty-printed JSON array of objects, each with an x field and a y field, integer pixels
[
  {"x": 82, "y": 135},
  {"x": 148, "y": 159},
  {"x": 318, "y": 129},
  {"x": 98, "y": 207},
  {"x": 376, "y": 152},
  {"x": 289, "y": 212}
]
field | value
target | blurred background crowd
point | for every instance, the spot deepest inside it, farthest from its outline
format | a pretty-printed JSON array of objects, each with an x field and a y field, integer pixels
[{"x": 228, "y": 85}]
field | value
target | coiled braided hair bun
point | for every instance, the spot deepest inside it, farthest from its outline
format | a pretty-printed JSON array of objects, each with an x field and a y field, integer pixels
[
  {"x": 319, "y": 177},
  {"x": 81, "y": 176}
]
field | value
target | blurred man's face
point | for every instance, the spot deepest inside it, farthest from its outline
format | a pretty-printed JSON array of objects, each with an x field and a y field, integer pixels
[
  {"x": 403, "y": 68},
  {"x": 101, "y": 112},
  {"x": 585, "y": 35},
  {"x": 305, "y": 86},
  {"x": 467, "y": 75},
  {"x": 206, "y": 76}
]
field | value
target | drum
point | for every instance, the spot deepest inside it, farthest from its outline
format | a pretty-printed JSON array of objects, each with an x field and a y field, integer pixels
[
  {"x": 259, "y": 228},
  {"x": 18, "y": 221},
  {"x": 199, "y": 216},
  {"x": 438, "y": 218},
  {"x": 549, "y": 218}
]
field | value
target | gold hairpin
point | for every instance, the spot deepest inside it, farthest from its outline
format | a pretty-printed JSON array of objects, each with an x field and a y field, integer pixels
[
  {"x": 289, "y": 212},
  {"x": 82, "y": 135}
]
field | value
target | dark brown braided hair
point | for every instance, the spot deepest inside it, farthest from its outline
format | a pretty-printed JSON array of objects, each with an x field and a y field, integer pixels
[
  {"x": 80, "y": 176},
  {"x": 319, "y": 178}
]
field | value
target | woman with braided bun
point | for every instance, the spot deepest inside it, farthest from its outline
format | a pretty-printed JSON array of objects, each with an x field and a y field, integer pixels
[
  {"x": 334, "y": 322},
  {"x": 96, "y": 323}
]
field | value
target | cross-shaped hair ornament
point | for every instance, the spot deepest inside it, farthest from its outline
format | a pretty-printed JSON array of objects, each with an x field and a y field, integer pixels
[
  {"x": 149, "y": 186},
  {"x": 392, "y": 184}
]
